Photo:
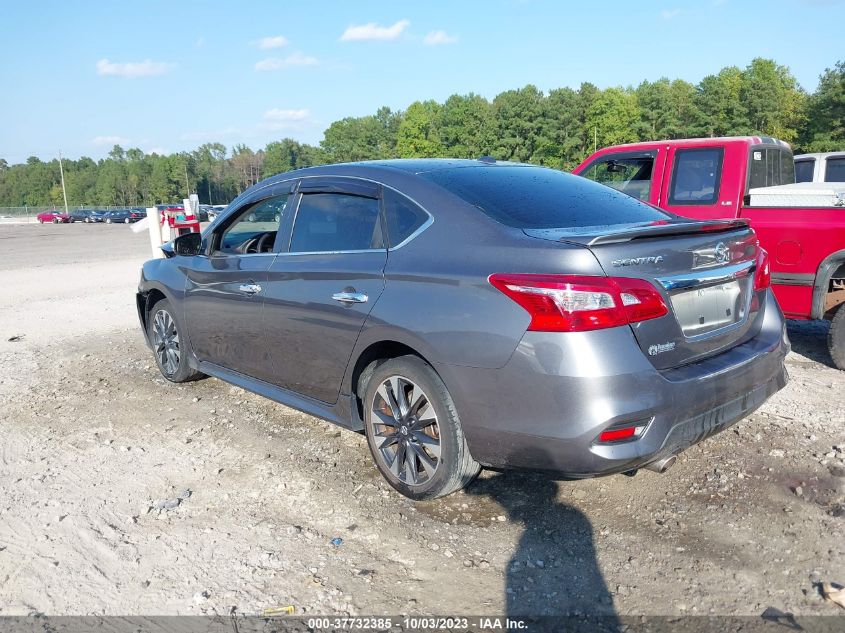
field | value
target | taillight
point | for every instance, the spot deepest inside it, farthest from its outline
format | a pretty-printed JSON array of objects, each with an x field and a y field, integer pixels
[
  {"x": 576, "y": 303},
  {"x": 763, "y": 274}
]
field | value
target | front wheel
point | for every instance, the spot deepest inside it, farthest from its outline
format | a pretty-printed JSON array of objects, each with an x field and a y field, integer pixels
[
  {"x": 55, "y": 220},
  {"x": 413, "y": 430},
  {"x": 126, "y": 221},
  {"x": 836, "y": 338},
  {"x": 166, "y": 339}
]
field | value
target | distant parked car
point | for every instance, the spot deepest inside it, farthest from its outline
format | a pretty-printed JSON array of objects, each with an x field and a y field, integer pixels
[
  {"x": 216, "y": 210},
  {"x": 126, "y": 216},
  {"x": 56, "y": 217},
  {"x": 827, "y": 167},
  {"x": 87, "y": 215}
]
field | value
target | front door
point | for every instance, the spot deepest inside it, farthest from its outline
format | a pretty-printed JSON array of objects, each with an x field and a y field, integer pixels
[
  {"x": 225, "y": 288},
  {"x": 320, "y": 292}
]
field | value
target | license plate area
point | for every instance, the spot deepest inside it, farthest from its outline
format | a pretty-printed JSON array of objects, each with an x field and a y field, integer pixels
[{"x": 707, "y": 309}]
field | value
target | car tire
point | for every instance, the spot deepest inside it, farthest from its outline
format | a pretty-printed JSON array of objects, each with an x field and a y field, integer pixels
[
  {"x": 40, "y": 221},
  {"x": 836, "y": 338},
  {"x": 126, "y": 220},
  {"x": 440, "y": 462},
  {"x": 55, "y": 220},
  {"x": 165, "y": 335}
]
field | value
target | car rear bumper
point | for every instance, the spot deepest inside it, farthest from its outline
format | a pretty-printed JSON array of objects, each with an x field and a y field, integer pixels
[{"x": 546, "y": 407}]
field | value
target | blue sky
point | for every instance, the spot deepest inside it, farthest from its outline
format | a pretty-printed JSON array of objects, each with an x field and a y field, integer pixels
[{"x": 167, "y": 76}]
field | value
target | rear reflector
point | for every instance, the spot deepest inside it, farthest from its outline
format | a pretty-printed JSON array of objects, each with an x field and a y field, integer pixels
[
  {"x": 763, "y": 274},
  {"x": 576, "y": 303},
  {"x": 621, "y": 434}
]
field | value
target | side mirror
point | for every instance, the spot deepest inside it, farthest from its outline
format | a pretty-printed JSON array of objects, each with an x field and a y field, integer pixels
[{"x": 188, "y": 244}]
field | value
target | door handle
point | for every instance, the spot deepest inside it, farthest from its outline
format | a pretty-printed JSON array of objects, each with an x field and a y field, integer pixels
[
  {"x": 250, "y": 289},
  {"x": 350, "y": 297}
]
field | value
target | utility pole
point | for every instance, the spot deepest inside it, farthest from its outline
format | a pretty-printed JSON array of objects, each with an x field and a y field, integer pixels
[
  {"x": 187, "y": 185},
  {"x": 62, "y": 172},
  {"x": 595, "y": 138}
]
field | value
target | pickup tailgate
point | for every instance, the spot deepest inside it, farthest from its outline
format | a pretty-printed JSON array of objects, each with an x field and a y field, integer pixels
[{"x": 704, "y": 270}]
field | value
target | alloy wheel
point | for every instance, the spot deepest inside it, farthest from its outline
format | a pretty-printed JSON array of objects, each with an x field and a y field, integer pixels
[
  {"x": 166, "y": 342},
  {"x": 406, "y": 431}
]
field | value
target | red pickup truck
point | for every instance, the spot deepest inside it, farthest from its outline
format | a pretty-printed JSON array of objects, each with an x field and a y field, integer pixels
[{"x": 711, "y": 178}]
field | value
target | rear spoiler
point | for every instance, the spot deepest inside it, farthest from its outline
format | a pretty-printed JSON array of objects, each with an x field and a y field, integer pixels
[{"x": 596, "y": 235}]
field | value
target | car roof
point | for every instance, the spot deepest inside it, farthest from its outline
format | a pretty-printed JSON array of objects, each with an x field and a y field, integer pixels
[
  {"x": 692, "y": 142},
  {"x": 820, "y": 155}
]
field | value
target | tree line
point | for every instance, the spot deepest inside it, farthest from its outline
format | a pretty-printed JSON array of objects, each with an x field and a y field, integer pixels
[{"x": 557, "y": 129}]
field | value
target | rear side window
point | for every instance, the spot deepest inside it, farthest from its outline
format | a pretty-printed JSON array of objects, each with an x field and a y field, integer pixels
[
  {"x": 770, "y": 167},
  {"x": 631, "y": 175},
  {"x": 540, "y": 198},
  {"x": 403, "y": 217},
  {"x": 696, "y": 176},
  {"x": 804, "y": 170},
  {"x": 834, "y": 170},
  {"x": 327, "y": 222}
]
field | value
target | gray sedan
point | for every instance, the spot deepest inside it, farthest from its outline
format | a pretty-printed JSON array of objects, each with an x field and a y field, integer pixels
[{"x": 467, "y": 314}]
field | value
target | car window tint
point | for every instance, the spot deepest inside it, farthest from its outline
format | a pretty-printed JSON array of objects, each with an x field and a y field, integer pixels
[
  {"x": 696, "y": 176},
  {"x": 541, "y": 198},
  {"x": 327, "y": 222},
  {"x": 628, "y": 175},
  {"x": 834, "y": 170},
  {"x": 771, "y": 167},
  {"x": 403, "y": 217},
  {"x": 804, "y": 170},
  {"x": 254, "y": 220}
]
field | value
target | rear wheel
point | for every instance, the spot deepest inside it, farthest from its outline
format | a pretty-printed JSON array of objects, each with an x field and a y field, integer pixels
[
  {"x": 836, "y": 338},
  {"x": 413, "y": 430},
  {"x": 126, "y": 221},
  {"x": 166, "y": 340},
  {"x": 40, "y": 221},
  {"x": 55, "y": 220}
]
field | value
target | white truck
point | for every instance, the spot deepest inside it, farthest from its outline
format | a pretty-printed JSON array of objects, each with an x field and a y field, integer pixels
[{"x": 826, "y": 167}]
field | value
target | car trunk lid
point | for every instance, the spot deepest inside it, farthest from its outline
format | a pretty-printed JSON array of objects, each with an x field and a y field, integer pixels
[{"x": 704, "y": 270}]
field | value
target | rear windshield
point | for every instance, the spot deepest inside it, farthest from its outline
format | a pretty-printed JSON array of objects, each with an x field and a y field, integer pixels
[
  {"x": 770, "y": 166},
  {"x": 540, "y": 198}
]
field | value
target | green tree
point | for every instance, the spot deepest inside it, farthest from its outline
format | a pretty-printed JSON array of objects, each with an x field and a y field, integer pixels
[
  {"x": 614, "y": 117},
  {"x": 825, "y": 124},
  {"x": 466, "y": 126},
  {"x": 774, "y": 101},
  {"x": 418, "y": 135}
]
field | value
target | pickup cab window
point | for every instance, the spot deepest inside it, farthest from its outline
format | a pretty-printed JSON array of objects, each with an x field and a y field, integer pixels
[
  {"x": 696, "y": 176},
  {"x": 835, "y": 170},
  {"x": 804, "y": 170},
  {"x": 770, "y": 166},
  {"x": 631, "y": 175}
]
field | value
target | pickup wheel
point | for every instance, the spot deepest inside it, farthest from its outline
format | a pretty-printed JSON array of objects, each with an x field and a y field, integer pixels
[
  {"x": 836, "y": 338},
  {"x": 413, "y": 430}
]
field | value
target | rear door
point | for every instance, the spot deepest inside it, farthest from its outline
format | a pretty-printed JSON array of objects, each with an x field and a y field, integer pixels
[{"x": 324, "y": 284}]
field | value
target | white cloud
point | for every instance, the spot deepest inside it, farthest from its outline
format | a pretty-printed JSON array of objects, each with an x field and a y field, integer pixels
[
  {"x": 435, "y": 38},
  {"x": 146, "y": 68},
  {"x": 282, "y": 118},
  {"x": 373, "y": 31},
  {"x": 277, "y": 63},
  {"x": 668, "y": 14},
  {"x": 276, "y": 41},
  {"x": 110, "y": 140}
]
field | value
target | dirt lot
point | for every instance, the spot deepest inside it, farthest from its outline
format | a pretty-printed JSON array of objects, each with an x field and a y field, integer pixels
[{"x": 123, "y": 494}]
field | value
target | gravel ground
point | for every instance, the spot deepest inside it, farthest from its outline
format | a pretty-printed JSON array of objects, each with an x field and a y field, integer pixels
[{"x": 123, "y": 494}]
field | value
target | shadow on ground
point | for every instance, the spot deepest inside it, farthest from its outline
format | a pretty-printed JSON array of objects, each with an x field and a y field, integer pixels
[
  {"x": 809, "y": 339},
  {"x": 554, "y": 570}
]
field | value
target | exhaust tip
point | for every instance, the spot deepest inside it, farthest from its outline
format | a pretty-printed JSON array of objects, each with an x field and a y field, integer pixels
[{"x": 662, "y": 465}]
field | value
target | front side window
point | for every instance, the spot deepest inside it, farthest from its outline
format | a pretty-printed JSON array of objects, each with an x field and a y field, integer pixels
[
  {"x": 834, "y": 170},
  {"x": 628, "y": 175},
  {"x": 804, "y": 170},
  {"x": 330, "y": 222},
  {"x": 696, "y": 176},
  {"x": 770, "y": 167},
  {"x": 254, "y": 229}
]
